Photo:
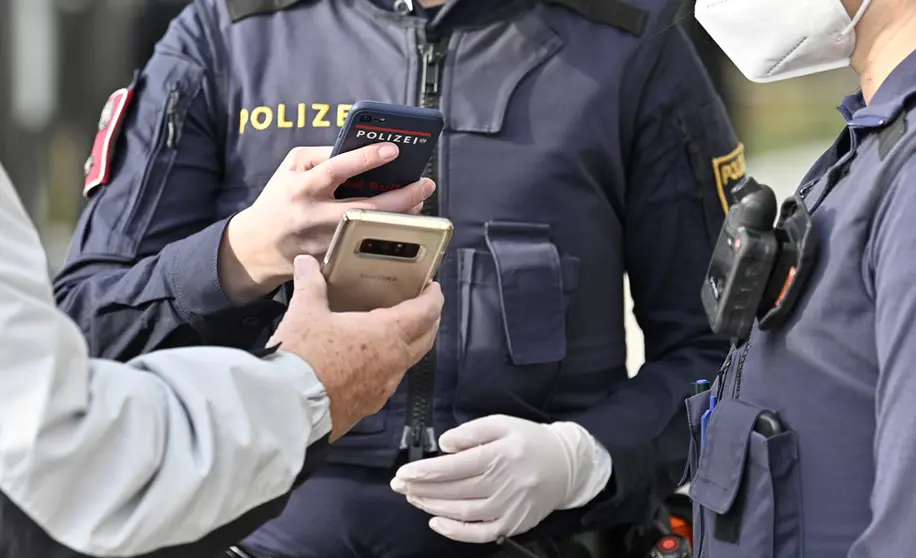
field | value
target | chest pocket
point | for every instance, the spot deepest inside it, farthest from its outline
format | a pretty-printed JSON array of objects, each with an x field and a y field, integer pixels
[
  {"x": 747, "y": 489},
  {"x": 514, "y": 299}
]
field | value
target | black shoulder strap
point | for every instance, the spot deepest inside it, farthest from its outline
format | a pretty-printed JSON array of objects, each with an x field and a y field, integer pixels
[
  {"x": 888, "y": 139},
  {"x": 240, "y": 9},
  {"x": 889, "y": 136},
  {"x": 615, "y": 13}
]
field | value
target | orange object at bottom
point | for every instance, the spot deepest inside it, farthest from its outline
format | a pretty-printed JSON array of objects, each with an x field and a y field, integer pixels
[{"x": 682, "y": 528}]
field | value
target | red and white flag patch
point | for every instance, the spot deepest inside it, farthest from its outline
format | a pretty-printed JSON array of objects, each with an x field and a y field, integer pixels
[{"x": 98, "y": 165}]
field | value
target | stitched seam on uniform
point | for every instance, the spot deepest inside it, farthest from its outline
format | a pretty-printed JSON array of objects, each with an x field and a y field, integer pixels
[{"x": 219, "y": 75}]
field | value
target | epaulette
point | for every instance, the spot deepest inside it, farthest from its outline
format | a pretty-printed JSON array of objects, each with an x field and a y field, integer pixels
[
  {"x": 609, "y": 12},
  {"x": 889, "y": 136},
  {"x": 240, "y": 9}
]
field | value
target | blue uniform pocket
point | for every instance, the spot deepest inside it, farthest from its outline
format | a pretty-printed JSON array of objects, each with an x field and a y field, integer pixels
[
  {"x": 513, "y": 305},
  {"x": 746, "y": 491}
]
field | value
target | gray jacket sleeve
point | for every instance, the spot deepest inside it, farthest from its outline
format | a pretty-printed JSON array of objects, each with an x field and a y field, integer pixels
[
  {"x": 889, "y": 271},
  {"x": 112, "y": 459}
]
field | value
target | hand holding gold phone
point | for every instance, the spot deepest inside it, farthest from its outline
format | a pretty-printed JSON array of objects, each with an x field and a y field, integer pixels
[{"x": 378, "y": 259}]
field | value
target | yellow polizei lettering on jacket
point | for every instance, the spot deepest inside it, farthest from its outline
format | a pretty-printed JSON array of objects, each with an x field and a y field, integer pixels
[
  {"x": 342, "y": 112},
  {"x": 261, "y": 118},
  {"x": 282, "y": 122},
  {"x": 292, "y": 116},
  {"x": 320, "y": 111}
]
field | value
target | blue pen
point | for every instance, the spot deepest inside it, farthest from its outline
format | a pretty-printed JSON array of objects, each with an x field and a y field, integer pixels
[{"x": 704, "y": 422}]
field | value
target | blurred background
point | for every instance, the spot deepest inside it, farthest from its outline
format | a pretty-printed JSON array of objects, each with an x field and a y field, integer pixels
[{"x": 60, "y": 59}]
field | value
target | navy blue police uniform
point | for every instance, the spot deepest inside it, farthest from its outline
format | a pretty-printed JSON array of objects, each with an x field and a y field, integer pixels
[
  {"x": 835, "y": 478},
  {"x": 581, "y": 143}
]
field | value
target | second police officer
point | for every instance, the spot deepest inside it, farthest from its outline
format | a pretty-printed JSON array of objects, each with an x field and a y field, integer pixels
[
  {"x": 580, "y": 144},
  {"x": 808, "y": 449}
]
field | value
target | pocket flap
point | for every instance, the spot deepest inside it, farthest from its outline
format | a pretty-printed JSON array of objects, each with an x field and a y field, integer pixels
[
  {"x": 696, "y": 406},
  {"x": 525, "y": 43},
  {"x": 724, "y": 455},
  {"x": 530, "y": 281}
]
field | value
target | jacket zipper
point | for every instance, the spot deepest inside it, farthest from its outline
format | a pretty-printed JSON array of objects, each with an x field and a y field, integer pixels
[
  {"x": 419, "y": 437},
  {"x": 166, "y": 137},
  {"x": 171, "y": 120}
]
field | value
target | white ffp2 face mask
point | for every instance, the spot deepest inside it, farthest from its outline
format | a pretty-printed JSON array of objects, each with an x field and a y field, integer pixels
[{"x": 771, "y": 40}]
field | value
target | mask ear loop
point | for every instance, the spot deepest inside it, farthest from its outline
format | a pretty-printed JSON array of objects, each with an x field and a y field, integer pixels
[{"x": 855, "y": 19}]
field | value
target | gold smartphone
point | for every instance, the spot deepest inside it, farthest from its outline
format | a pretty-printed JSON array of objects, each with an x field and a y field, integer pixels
[{"x": 379, "y": 259}]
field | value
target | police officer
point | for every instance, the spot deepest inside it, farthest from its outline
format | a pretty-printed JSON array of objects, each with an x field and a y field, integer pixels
[
  {"x": 809, "y": 450},
  {"x": 582, "y": 142},
  {"x": 179, "y": 452}
]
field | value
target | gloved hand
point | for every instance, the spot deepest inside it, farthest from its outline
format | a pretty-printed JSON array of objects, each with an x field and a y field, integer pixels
[{"x": 504, "y": 476}]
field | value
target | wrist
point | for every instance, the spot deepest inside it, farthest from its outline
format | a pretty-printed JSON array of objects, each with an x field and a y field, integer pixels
[
  {"x": 589, "y": 464},
  {"x": 246, "y": 271}
]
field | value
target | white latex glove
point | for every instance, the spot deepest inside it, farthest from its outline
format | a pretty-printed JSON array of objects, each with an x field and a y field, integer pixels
[{"x": 504, "y": 476}]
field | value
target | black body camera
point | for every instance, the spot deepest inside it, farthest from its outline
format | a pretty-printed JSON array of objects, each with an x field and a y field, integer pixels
[{"x": 757, "y": 270}]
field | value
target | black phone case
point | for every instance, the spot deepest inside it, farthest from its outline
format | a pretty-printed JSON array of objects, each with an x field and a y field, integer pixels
[{"x": 414, "y": 130}]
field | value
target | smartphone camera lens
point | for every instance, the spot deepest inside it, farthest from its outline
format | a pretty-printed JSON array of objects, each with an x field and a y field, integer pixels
[
  {"x": 365, "y": 118},
  {"x": 409, "y": 251},
  {"x": 377, "y": 247}
]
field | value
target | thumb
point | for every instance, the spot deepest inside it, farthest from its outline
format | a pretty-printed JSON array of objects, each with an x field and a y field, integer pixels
[
  {"x": 475, "y": 433},
  {"x": 310, "y": 287}
]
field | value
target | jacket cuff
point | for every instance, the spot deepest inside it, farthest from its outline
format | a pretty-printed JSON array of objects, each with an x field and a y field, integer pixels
[{"x": 193, "y": 278}]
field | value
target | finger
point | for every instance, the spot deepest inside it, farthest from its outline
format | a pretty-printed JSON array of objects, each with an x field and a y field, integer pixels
[
  {"x": 415, "y": 318},
  {"x": 478, "y": 533},
  {"x": 305, "y": 158},
  {"x": 419, "y": 348},
  {"x": 467, "y": 464},
  {"x": 310, "y": 287},
  {"x": 416, "y": 210},
  {"x": 336, "y": 170},
  {"x": 403, "y": 199},
  {"x": 464, "y": 489},
  {"x": 474, "y": 433}
]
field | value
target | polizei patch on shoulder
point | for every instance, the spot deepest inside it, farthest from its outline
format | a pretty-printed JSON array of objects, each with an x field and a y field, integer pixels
[
  {"x": 729, "y": 170},
  {"x": 98, "y": 166}
]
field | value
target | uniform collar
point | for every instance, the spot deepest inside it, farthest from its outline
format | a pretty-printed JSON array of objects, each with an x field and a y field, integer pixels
[
  {"x": 889, "y": 101},
  {"x": 452, "y": 15},
  {"x": 418, "y": 10}
]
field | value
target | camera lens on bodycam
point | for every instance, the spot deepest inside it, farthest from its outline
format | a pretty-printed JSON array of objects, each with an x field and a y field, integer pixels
[
  {"x": 378, "y": 247},
  {"x": 365, "y": 118}
]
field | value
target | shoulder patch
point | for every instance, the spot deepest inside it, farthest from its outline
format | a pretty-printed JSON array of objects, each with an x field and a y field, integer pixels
[
  {"x": 729, "y": 170},
  {"x": 615, "y": 13},
  {"x": 240, "y": 9},
  {"x": 98, "y": 165}
]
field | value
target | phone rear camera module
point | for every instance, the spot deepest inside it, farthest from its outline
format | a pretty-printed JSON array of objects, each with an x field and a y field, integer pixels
[
  {"x": 365, "y": 118},
  {"x": 401, "y": 250},
  {"x": 408, "y": 250}
]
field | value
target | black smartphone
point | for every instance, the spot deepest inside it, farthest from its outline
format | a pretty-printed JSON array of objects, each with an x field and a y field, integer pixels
[{"x": 415, "y": 130}]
